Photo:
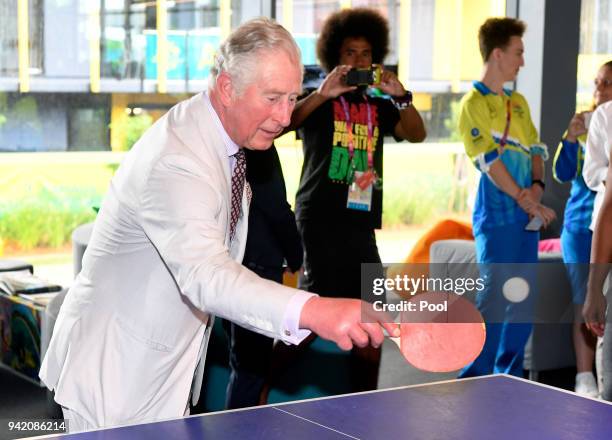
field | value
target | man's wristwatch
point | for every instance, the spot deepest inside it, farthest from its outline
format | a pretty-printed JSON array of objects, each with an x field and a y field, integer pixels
[
  {"x": 402, "y": 102},
  {"x": 539, "y": 182}
]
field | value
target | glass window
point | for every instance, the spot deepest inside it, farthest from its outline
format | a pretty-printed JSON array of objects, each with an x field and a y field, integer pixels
[
  {"x": 88, "y": 123},
  {"x": 194, "y": 31},
  {"x": 304, "y": 18},
  {"x": 123, "y": 41},
  {"x": 191, "y": 15},
  {"x": 53, "y": 122},
  {"x": 8, "y": 38},
  {"x": 9, "y": 28}
]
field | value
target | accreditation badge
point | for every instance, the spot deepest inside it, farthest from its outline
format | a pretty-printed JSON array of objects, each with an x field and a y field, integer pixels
[{"x": 360, "y": 191}]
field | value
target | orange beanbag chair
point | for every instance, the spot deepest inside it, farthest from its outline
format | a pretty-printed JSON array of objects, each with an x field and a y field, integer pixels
[{"x": 416, "y": 264}]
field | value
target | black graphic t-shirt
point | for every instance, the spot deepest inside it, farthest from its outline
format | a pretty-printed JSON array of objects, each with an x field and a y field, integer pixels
[{"x": 323, "y": 189}]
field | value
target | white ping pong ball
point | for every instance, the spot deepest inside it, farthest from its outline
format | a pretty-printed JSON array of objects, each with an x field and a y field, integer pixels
[{"x": 516, "y": 289}]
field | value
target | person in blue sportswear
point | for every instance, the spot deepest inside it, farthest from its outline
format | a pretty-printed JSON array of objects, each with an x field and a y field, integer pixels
[
  {"x": 501, "y": 140},
  {"x": 576, "y": 235}
]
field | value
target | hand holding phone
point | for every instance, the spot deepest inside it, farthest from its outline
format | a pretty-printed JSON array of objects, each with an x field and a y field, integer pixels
[
  {"x": 534, "y": 224},
  {"x": 364, "y": 77}
]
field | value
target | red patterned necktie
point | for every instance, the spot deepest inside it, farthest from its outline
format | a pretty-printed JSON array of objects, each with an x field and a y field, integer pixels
[{"x": 238, "y": 180}]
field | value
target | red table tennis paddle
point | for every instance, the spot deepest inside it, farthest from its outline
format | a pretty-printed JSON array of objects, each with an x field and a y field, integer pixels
[{"x": 445, "y": 335}]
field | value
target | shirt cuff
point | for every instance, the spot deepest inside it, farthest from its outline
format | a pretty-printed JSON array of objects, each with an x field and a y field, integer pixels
[
  {"x": 571, "y": 145},
  {"x": 539, "y": 150},
  {"x": 484, "y": 161},
  {"x": 292, "y": 333}
]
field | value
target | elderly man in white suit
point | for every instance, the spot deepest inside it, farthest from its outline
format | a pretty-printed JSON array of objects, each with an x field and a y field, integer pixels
[{"x": 131, "y": 336}]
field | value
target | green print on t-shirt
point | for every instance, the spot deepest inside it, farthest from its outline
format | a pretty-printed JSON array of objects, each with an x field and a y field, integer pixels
[
  {"x": 339, "y": 164},
  {"x": 339, "y": 171}
]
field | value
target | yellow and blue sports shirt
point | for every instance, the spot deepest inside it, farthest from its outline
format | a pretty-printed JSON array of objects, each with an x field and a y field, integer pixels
[
  {"x": 567, "y": 166},
  {"x": 482, "y": 121}
]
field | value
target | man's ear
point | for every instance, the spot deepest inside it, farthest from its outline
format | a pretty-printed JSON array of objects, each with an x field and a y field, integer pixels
[
  {"x": 225, "y": 86},
  {"x": 495, "y": 54}
]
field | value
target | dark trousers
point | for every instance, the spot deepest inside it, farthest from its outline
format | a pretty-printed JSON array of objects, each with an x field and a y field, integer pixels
[
  {"x": 249, "y": 356},
  {"x": 333, "y": 255}
]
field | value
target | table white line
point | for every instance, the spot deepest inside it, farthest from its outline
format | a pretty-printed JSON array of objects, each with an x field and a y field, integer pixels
[{"x": 315, "y": 423}]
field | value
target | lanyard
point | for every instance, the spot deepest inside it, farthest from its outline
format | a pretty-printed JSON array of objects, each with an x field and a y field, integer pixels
[
  {"x": 349, "y": 129},
  {"x": 504, "y": 138}
]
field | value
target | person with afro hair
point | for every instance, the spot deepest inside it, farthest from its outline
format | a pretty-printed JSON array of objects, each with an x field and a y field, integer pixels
[{"x": 339, "y": 200}]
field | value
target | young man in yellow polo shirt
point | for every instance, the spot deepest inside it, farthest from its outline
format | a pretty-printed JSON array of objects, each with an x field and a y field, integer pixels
[{"x": 502, "y": 142}]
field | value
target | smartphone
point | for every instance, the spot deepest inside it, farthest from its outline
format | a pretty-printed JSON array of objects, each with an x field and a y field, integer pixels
[
  {"x": 534, "y": 224},
  {"x": 364, "y": 77}
]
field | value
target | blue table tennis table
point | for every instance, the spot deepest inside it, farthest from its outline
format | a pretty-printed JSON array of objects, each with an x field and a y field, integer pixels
[{"x": 489, "y": 407}]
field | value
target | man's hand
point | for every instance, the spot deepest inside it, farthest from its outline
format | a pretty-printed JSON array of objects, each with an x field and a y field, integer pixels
[
  {"x": 390, "y": 84},
  {"x": 594, "y": 311},
  {"x": 340, "y": 320},
  {"x": 334, "y": 83},
  {"x": 576, "y": 127},
  {"x": 528, "y": 200},
  {"x": 545, "y": 213},
  {"x": 536, "y": 192},
  {"x": 332, "y": 86}
]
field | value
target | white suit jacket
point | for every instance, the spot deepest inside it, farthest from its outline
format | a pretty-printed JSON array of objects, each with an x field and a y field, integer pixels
[{"x": 157, "y": 268}]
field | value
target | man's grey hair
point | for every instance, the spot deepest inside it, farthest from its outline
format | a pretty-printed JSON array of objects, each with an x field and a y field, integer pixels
[{"x": 239, "y": 53}]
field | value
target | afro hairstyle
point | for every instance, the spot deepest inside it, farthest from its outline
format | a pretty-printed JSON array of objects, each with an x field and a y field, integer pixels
[{"x": 352, "y": 23}]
